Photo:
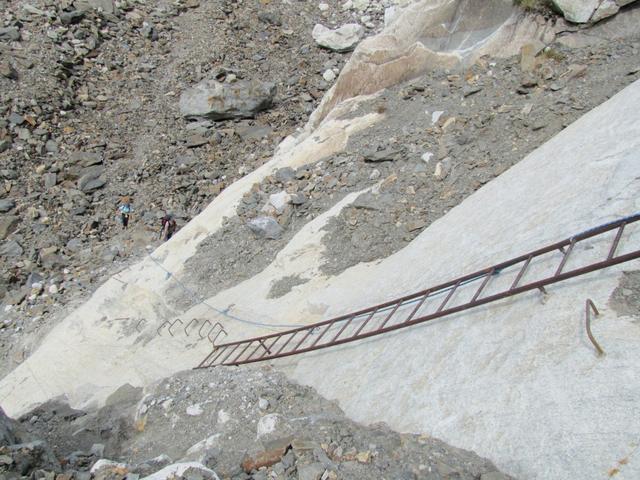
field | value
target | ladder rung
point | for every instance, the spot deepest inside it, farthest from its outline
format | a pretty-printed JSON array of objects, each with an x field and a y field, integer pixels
[
  {"x": 222, "y": 350},
  {"x": 287, "y": 342},
  {"x": 565, "y": 258},
  {"x": 322, "y": 334},
  {"x": 346, "y": 324},
  {"x": 521, "y": 272},
  {"x": 242, "y": 352},
  {"x": 488, "y": 276},
  {"x": 268, "y": 352},
  {"x": 415, "y": 310},
  {"x": 364, "y": 324},
  {"x": 616, "y": 241},
  {"x": 229, "y": 354},
  {"x": 451, "y": 292},
  {"x": 393, "y": 312}
]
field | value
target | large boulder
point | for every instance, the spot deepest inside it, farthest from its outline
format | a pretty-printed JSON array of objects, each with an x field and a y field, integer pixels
[
  {"x": 583, "y": 11},
  {"x": 221, "y": 101},
  {"x": 343, "y": 39}
]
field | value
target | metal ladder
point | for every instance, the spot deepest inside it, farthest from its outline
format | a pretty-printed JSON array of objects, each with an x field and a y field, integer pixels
[{"x": 578, "y": 255}]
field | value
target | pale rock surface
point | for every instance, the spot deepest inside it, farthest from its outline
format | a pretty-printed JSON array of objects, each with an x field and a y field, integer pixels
[
  {"x": 619, "y": 26},
  {"x": 360, "y": 5},
  {"x": 194, "y": 410},
  {"x": 390, "y": 14},
  {"x": 104, "y": 464},
  {"x": 220, "y": 101},
  {"x": 583, "y": 11},
  {"x": 578, "y": 11},
  {"x": 202, "y": 445},
  {"x": 223, "y": 417},
  {"x": 274, "y": 431},
  {"x": 279, "y": 201},
  {"x": 342, "y": 39},
  {"x": 177, "y": 470},
  {"x": 328, "y": 75},
  {"x": 606, "y": 9},
  {"x": 106, "y": 6}
]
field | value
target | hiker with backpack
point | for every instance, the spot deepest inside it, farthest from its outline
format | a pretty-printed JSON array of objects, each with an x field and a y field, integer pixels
[
  {"x": 168, "y": 227},
  {"x": 124, "y": 210}
]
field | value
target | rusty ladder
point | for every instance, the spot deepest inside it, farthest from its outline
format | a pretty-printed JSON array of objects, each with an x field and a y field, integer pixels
[{"x": 495, "y": 283}]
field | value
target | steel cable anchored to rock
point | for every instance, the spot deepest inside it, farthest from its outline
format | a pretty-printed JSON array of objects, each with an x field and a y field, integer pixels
[{"x": 579, "y": 254}]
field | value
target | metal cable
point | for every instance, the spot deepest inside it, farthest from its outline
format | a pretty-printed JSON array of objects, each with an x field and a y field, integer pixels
[
  {"x": 390, "y": 307},
  {"x": 225, "y": 312}
]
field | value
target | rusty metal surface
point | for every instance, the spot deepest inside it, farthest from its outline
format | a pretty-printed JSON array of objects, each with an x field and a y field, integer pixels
[
  {"x": 590, "y": 307},
  {"x": 579, "y": 254}
]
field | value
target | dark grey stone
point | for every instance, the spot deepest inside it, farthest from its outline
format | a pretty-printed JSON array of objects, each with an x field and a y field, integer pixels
[
  {"x": 28, "y": 457},
  {"x": 8, "y": 224},
  {"x": 384, "y": 155},
  {"x": 310, "y": 472},
  {"x": 68, "y": 18},
  {"x": 34, "y": 277},
  {"x": 7, "y": 71},
  {"x": 16, "y": 118},
  {"x": 298, "y": 199},
  {"x": 105, "y": 6},
  {"x": 9, "y": 34},
  {"x": 7, "y": 204},
  {"x": 470, "y": 90},
  {"x": 74, "y": 245},
  {"x": 266, "y": 227},
  {"x": 50, "y": 180},
  {"x": 284, "y": 175},
  {"x": 51, "y": 147},
  {"x": 7, "y": 434},
  {"x": 90, "y": 179},
  {"x": 85, "y": 159}
]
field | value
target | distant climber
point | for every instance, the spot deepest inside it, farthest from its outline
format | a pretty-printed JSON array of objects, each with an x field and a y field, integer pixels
[
  {"x": 168, "y": 227},
  {"x": 124, "y": 209}
]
